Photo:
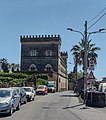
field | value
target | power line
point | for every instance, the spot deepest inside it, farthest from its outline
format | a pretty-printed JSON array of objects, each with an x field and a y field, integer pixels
[
  {"x": 97, "y": 20},
  {"x": 97, "y": 15}
]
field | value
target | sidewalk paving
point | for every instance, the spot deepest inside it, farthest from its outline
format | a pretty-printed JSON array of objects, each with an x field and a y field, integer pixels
[{"x": 85, "y": 112}]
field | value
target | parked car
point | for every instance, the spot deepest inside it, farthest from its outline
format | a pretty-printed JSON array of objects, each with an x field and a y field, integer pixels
[
  {"x": 102, "y": 87},
  {"x": 42, "y": 89},
  {"x": 22, "y": 93},
  {"x": 30, "y": 93},
  {"x": 9, "y": 100},
  {"x": 51, "y": 84}
]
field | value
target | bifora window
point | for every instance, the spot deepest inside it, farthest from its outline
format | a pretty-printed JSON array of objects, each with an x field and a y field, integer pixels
[
  {"x": 48, "y": 53},
  {"x": 33, "y": 53}
]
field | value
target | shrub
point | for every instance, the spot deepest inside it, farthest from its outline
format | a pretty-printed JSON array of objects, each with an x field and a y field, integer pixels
[{"x": 41, "y": 81}]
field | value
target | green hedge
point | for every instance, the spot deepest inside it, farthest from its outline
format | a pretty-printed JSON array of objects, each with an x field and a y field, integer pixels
[
  {"x": 14, "y": 75},
  {"x": 41, "y": 81},
  {"x": 18, "y": 78}
]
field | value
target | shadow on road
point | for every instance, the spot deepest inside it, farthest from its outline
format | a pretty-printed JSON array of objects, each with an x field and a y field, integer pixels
[
  {"x": 74, "y": 95},
  {"x": 73, "y": 106},
  {"x": 4, "y": 115}
]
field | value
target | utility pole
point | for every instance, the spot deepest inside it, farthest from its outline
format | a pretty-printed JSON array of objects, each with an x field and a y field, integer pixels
[
  {"x": 85, "y": 36},
  {"x": 76, "y": 62},
  {"x": 85, "y": 62}
]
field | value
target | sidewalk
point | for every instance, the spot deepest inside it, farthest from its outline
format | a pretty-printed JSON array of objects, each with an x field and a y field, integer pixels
[{"x": 88, "y": 113}]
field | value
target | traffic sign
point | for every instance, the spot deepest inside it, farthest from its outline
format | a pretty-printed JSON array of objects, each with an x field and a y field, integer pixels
[{"x": 91, "y": 76}]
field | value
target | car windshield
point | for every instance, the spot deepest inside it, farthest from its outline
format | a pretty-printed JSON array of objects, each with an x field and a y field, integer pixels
[
  {"x": 50, "y": 85},
  {"x": 27, "y": 89},
  {"x": 40, "y": 87},
  {"x": 4, "y": 93}
]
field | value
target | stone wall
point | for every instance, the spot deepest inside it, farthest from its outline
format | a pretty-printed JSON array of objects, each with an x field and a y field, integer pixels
[{"x": 96, "y": 99}]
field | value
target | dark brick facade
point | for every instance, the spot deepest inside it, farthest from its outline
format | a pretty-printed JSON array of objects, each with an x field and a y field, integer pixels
[{"x": 42, "y": 53}]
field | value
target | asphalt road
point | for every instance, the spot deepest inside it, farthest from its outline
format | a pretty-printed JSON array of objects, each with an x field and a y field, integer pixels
[
  {"x": 56, "y": 106},
  {"x": 48, "y": 107}
]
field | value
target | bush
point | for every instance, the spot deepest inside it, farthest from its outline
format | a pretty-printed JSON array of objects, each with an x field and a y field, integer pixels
[
  {"x": 41, "y": 81},
  {"x": 19, "y": 78}
]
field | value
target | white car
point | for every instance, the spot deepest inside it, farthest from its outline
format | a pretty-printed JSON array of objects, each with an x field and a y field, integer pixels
[
  {"x": 30, "y": 93},
  {"x": 102, "y": 87}
]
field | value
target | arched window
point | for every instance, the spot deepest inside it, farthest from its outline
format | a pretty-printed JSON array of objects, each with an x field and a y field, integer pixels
[
  {"x": 32, "y": 67},
  {"x": 48, "y": 67}
]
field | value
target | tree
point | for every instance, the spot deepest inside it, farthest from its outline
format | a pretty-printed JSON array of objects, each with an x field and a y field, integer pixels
[
  {"x": 72, "y": 78},
  {"x": 78, "y": 52},
  {"x": 4, "y": 64},
  {"x": 13, "y": 67},
  {"x": 17, "y": 67}
]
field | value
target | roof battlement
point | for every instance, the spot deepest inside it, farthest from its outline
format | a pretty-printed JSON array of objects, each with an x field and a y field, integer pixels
[
  {"x": 39, "y": 38},
  {"x": 64, "y": 54}
]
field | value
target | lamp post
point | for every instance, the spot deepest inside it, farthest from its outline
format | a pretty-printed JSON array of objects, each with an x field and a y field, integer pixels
[{"x": 85, "y": 38}]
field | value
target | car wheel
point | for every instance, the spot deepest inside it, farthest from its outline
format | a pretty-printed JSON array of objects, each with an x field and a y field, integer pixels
[
  {"x": 33, "y": 98},
  {"x": 18, "y": 107},
  {"x": 11, "y": 111},
  {"x": 29, "y": 100},
  {"x": 25, "y": 101}
]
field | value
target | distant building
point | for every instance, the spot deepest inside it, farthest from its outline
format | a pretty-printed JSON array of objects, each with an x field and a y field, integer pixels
[{"x": 42, "y": 54}]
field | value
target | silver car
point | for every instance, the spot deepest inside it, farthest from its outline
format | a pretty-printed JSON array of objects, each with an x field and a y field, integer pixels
[
  {"x": 9, "y": 100},
  {"x": 22, "y": 94}
]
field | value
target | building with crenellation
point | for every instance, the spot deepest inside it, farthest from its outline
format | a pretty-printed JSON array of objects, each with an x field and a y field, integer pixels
[{"x": 42, "y": 54}]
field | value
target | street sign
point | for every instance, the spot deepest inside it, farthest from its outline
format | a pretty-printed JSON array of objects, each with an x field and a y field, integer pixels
[
  {"x": 91, "y": 64},
  {"x": 91, "y": 77}
]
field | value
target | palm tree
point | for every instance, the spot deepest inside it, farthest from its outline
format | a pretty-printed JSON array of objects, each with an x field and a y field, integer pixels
[
  {"x": 4, "y": 64},
  {"x": 13, "y": 67},
  {"x": 17, "y": 67},
  {"x": 78, "y": 52}
]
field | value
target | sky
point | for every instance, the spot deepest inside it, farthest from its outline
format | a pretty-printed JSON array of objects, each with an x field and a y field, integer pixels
[{"x": 50, "y": 17}]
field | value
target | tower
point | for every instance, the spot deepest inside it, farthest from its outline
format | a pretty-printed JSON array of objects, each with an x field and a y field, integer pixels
[{"x": 42, "y": 54}]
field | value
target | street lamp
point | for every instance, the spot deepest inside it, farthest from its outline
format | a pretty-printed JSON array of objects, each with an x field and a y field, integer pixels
[
  {"x": 99, "y": 31},
  {"x": 76, "y": 31},
  {"x": 89, "y": 33},
  {"x": 85, "y": 38}
]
